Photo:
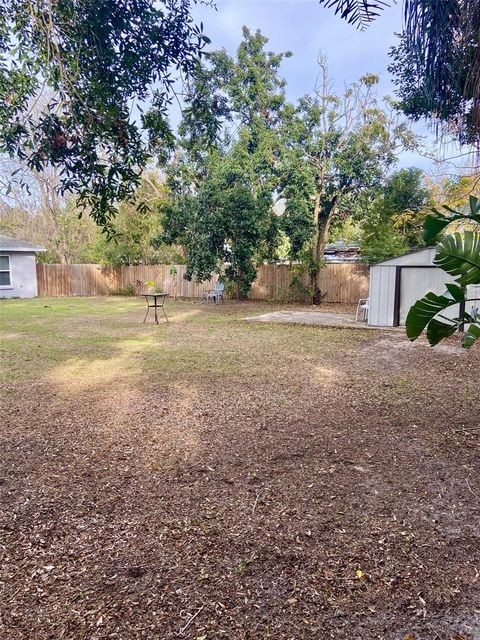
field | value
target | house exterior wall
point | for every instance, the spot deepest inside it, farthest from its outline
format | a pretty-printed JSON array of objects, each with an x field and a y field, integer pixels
[{"x": 23, "y": 276}]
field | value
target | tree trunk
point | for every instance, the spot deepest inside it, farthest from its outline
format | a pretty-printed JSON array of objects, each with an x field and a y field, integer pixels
[
  {"x": 313, "y": 272},
  {"x": 322, "y": 217},
  {"x": 321, "y": 237}
]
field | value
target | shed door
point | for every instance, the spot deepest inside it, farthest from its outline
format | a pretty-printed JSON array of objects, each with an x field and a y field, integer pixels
[{"x": 416, "y": 281}]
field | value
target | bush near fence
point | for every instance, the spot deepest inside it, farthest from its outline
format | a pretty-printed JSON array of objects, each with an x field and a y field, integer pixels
[{"x": 343, "y": 283}]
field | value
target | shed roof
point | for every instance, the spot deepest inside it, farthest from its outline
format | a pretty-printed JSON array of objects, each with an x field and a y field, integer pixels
[
  {"x": 423, "y": 256},
  {"x": 12, "y": 245}
]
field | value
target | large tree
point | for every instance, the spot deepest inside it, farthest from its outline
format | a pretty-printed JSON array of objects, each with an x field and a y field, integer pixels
[
  {"x": 337, "y": 147},
  {"x": 224, "y": 170},
  {"x": 224, "y": 226},
  {"x": 392, "y": 222},
  {"x": 137, "y": 227},
  {"x": 91, "y": 65}
]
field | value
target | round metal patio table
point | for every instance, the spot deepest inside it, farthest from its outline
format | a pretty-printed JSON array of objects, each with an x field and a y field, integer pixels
[{"x": 155, "y": 301}]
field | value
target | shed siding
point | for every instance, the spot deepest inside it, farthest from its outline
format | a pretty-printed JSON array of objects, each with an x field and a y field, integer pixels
[
  {"x": 382, "y": 295},
  {"x": 473, "y": 291},
  {"x": 416, "y": 282},
  {"x": 23, "y": 276}
]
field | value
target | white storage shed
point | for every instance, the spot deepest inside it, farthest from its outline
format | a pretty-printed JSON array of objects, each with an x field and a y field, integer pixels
[
  {"x": 18, "y": 273},
  {"x": 396, "y": 284}
]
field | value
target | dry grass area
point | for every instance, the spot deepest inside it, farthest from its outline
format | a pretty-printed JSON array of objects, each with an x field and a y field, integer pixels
[{"x": 214, "y": 479}]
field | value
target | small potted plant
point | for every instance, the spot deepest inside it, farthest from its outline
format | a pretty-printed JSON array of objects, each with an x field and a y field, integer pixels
[{"x": 151, "y": 286}]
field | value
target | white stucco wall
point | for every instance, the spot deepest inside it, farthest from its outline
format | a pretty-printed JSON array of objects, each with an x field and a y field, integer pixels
[{"x": 23, "y": 276}]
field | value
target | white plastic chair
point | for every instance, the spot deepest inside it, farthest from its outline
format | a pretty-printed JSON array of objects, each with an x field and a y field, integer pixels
[
  {"x": 362, "y": 309},
  {"x": 215, "y": 295}
]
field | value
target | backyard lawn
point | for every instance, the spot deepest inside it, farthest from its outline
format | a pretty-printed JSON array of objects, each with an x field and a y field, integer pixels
[{"x": 213, "y": 478}]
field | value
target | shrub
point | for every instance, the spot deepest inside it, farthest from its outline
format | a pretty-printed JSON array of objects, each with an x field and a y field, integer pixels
[{"x": 129, "y": 290}]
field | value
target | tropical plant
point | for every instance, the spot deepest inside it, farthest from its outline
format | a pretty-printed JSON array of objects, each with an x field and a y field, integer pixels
[
  {"x": 458, "y": 254},
  {"x": 436, "y": 66},
  {"x": 358, "y": 12}
]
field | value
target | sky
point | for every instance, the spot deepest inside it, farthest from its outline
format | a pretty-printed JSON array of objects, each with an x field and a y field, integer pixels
[{"x": 306, "y": 28}]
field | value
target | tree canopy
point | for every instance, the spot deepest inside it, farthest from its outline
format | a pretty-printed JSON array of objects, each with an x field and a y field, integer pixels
[
  {"x": 392, "y": 222},
  {"x": 73, "y": 78},
  {"x": 436, "y": 66},
  {"x": 224, "y": 170},
  {"x": 337, "y": 147},
  {"x": 315, "y": 156}
]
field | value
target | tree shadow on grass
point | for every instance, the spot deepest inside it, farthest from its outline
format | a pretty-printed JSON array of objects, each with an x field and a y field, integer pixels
[{"x": 143, "y": 481}]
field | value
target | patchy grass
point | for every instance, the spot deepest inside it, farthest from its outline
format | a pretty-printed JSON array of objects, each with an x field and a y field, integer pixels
[{"x": 282, "y": 481}]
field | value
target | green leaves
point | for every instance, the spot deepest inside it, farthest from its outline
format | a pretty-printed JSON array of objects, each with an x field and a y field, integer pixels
[
  {"x": 435, "y": 65},
  {"x": 225, "y": 226},
  {"x": 438, "y": 221},
  {"x": 472, "y": 334},
  {"x": 425, "y": 310},
  {"x": 228, "y": 163},
  {"x": 427, "y": 313},
  {"x": 438, "y": 330},
  {"x": 459, "y": 255},
  {"x": 74, "y": 104},
  {"x": 357, "y": 12}
]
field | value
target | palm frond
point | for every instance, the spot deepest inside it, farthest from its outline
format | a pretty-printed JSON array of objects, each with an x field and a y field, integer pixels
[
  {"x": 357, "y": 12},
  {"x": 443, "y": 38}
]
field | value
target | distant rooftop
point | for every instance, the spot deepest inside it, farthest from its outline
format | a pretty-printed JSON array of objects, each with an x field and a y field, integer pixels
[
  {"x": 336, "y": 252},
  {"x": 342, "y": 252},
  {"x": 11, "y": 244}
]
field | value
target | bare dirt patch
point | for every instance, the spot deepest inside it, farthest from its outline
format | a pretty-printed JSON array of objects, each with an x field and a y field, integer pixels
[{"x": 217, "y": 479}]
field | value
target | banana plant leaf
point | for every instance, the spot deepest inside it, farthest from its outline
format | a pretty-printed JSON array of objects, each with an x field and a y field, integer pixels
[
  {"x": 437, "y": 330},
  {"x": 425, "y": 309},
  {"x": 459, "y": 255},
  {"x": 471, "y": 335},
  {"x": 437, "y": 221}
]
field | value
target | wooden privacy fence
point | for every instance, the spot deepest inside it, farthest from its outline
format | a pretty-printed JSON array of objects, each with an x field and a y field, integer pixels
[
  {"x": 341, "y": 282},
  {"x": 344, "y": 283}
]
